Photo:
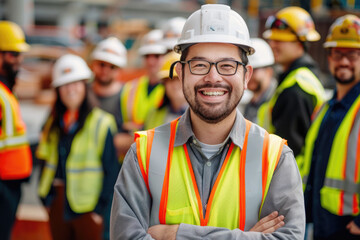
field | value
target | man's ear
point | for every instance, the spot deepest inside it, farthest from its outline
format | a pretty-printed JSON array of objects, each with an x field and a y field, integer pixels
[
  {"x": 247, "y": 76},
  {"x": 179, "y": 71}
]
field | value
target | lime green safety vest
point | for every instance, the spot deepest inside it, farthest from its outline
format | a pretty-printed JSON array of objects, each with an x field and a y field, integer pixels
[
  {"x": 340, "y": 193},
  {"x": 84, "y": 172},
  {"x": 156, "y": 117},
  {"x": 240, "y": 189},
  {"x": 136, "y": 102},
  {"x": 307, "y": 82}
]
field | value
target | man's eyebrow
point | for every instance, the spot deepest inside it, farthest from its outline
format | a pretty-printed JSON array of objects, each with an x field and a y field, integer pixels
[{"x": 221, "y": 59}]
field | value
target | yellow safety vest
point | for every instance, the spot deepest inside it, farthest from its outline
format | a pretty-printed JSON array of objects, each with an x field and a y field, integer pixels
[
  {"x": 136, "y": 102},
  {"x": 84, "y": 172},
  {"x": 340, "y": 193},
  {"x": 15, "y": 153},
  {"x": 241, "y": 185},
  {"x": 307, "y": 82},
  {"x": 155, "y": 118}
]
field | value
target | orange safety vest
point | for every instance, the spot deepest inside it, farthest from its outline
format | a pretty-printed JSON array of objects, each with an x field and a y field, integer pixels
[
  {"x": 241, "y": 185},
  {"x": 15, "y": 154}
]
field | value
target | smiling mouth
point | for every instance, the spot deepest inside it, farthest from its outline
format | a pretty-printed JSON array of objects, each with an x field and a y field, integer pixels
[{"x": 213, "y": 93}]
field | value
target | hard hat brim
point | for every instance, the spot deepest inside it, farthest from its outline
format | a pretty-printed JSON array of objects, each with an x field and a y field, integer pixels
[{"x": 341, "y": 44}]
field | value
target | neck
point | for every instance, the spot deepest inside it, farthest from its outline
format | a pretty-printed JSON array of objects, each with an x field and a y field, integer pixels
[
  {"x": 212, "y": 133},
  {"x": 106, "y": 90},
  {"x": 343, "y": 89}
]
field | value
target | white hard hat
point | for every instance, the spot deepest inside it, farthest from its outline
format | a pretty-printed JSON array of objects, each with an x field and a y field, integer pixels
[
  {"x": 215, "y": 23},
  {"x": 69, "y": 68},
  {"x": 172, "y": 31},
  {"x": 152, "y": 43},
  {"x": 110, "y": 50},
  {"x": 263, "y": 56}
]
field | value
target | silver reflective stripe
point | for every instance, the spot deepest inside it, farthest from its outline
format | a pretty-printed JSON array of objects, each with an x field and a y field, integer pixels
[
  {"x": 157, "y": 167},
  {"x": 13, "y": 141},
  {"x": 345, "y": 185},
  {"x": 9, "y": 121},
  {"x": 253, "y": 181},
  {"x": 351, "y": 166}
]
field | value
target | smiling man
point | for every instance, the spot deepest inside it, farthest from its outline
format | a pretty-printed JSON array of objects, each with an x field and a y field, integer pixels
[
  {"x": 331, "y": 167},
  {"x": 210, "y": 174}
]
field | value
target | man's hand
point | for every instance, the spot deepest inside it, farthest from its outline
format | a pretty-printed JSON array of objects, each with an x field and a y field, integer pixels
[
  {"x": 353, "y": 228},
  {"x": 163, "y": 232},
  {"x": 269, "y": 224}
]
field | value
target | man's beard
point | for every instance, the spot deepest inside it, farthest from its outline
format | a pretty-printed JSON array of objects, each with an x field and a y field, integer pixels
[
  {"x": 104, "y": 83},
  {"x": 345, "y": 81},
  {"x": 208, "y": 114},
  {"x": 11, "y": 73}
]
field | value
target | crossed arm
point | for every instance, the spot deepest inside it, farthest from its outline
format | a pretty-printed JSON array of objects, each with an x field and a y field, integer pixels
[{"x": 282, "y": 217}]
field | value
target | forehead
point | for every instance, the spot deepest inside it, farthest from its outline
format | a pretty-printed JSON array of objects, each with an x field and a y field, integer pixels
[{"x": 214, "y": 51}]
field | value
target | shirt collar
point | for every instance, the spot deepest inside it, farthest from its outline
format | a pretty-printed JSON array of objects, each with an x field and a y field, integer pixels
[
  {"x": 349, "y": 98},
  {"x": 184, "y": 132}
]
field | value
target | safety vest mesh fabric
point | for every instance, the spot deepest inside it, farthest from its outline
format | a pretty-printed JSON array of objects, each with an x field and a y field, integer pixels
[
  {"x": 136, "y": 102},
  {"x": 242, "y": 183},
  {"x": 307, "y": 81},
  {"x": 15, "y": 153},
  {"x": 84, "y": 172},
  {"x": 340, "y": 193}
]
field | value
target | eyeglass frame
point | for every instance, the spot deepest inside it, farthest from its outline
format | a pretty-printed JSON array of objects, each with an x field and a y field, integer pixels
[
  {"x": 211, "y": 63},
  {"x": 342, "y": 55},
  {"x": 269, "y": 24}
]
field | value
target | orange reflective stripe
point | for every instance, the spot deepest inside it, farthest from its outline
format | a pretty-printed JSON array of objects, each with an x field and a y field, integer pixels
[
  {"x": 15, "y": 163},
  {"x": 202, "y": 220},
  {"x": 265, "y": 162},
  {"x": 242, "y": 203},
  {"x": 138, "y": 154},
  {"x": 150, "y": 137},
  {"x": 164, "y": 193}
]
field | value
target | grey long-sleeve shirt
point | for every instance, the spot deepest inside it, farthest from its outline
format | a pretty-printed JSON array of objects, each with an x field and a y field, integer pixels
[{"x": 132, "y": 202}]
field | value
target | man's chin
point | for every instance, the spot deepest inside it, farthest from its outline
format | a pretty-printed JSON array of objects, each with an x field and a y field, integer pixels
[{"x": 344, "y": 80}]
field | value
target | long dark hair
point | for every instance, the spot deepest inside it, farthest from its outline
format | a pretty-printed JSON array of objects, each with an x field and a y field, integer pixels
[{"x": 59, "y": 109}]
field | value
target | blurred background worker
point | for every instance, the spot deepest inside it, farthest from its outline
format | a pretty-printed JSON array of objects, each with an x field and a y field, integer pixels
[
  {"x": 143, "y": 94},
  {"x": 174, "y": 104},
  {"x": 108, "y": 58},
  {"x": 15, "y": 154},
  {"x": 80, "y": 163},
  {"x": 332, "y": 150},
  {"x": 299, "y": 92},
  {"x": 262, "y": 83},
  {"x": 172, "y": 32}
]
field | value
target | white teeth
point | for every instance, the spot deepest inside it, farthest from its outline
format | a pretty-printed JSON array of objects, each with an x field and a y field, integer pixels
[{"x": 213, "y": 93}]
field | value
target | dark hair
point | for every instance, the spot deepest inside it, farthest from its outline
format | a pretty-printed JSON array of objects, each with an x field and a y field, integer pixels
[
  {"x": 59, "y": 109},
  {"x": 242, "y": 53}
]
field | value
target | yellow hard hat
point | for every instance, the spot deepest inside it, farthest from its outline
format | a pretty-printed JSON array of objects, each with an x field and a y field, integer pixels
[
  {"x": 169, "y": 59},
  {"x": 12, "y": 37},
  {"x": 344, "y": 32},
  {"x": 291, "y": 24}
]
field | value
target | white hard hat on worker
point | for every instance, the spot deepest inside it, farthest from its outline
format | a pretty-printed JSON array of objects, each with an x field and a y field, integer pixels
[
  {"x": 112, "y": 51},
  {"x": 69, "y": 68},
  {"x": 215, "y": 23},
  {"x": 263, "y": 56}
]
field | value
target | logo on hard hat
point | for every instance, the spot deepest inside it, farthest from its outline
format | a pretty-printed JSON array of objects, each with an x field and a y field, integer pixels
[
  {"x": 66, "y": 71},
  {"x": 108, "y": 50}
]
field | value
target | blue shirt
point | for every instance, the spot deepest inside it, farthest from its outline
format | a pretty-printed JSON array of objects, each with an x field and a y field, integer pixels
[{"x": 327, "y": 224}]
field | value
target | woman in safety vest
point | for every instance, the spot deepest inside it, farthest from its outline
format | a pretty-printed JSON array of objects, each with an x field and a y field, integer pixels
[{"x": 80, "y": 162}]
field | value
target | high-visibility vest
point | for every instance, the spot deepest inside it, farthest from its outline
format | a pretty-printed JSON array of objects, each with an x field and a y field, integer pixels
[
  {"x": 241, "y": 185},
  {"x": 307, "y": 81},
  {"x": 340, "y": 193},
  {"x": 84, "y": 171},
  {"x": 156, "y": 117},
  {"x": 136, "y": 102},
  {"x": 15, "y": 153}
]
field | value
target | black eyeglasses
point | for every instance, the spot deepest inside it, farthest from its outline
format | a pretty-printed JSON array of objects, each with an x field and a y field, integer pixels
[
  {"x": 13, "y": 53},
  {"x": 350, "y": 55},
  {"x": 103, "y": 65},
  {"x": 202, "y": 67}
]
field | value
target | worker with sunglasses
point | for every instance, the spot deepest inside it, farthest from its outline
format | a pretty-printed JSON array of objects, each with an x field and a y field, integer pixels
[
  {"x": 210, "y": 174},
  {"x": 330, "y": 170},
  {"x": 15, "y": 154},
  {"x": 299, "y": 93}
]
